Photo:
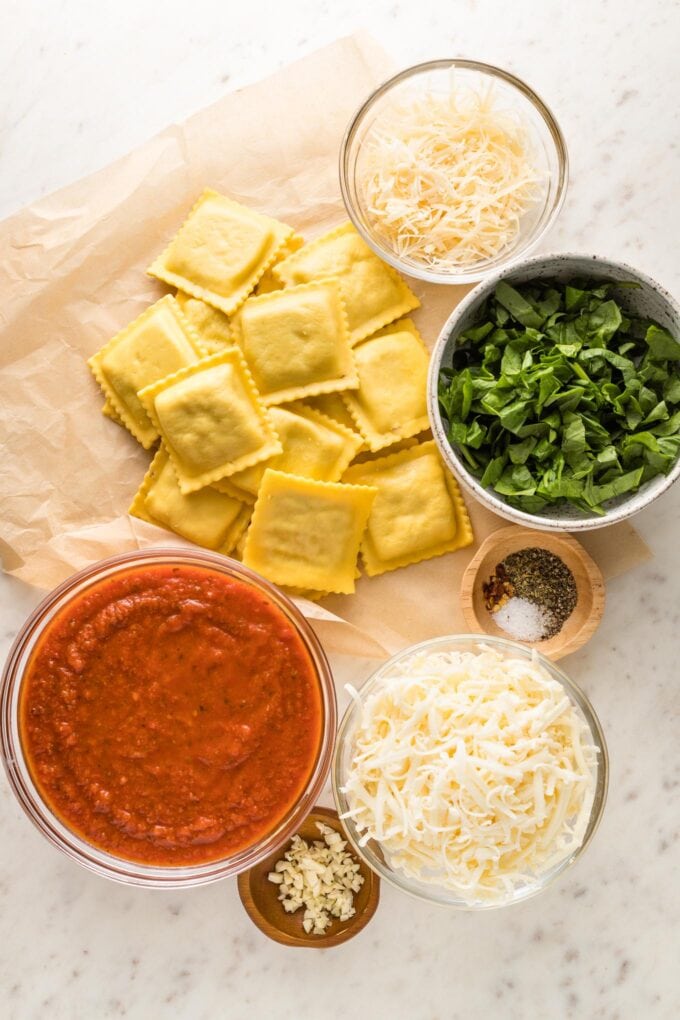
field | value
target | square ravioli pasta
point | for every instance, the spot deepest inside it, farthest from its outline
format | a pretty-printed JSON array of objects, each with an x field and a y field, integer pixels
[
  {"x": 374, "y": 294},
  {"x": 314, "y": 446},
  {"x": 268, "y": 282},
  {"x": 109, "y": 411},
  {"x": 159, "y": 342},
  {"x": 221, "y": 251},
  {"x": 306, "y": 534},
  {"x": 296, "y": 343},
  {"x": 210, "y": 325},
  {"x": 418, "y": 511},
  {"x": 211, "y": 420},
  {"x": 391, "y": 401},
  {"x": 332, "y": 406},
  {"x": 207, "y": 517}
]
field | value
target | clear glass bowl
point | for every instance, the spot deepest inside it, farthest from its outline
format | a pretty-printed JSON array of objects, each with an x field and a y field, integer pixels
[
  {"x": 514, "y": 95},
  {"x": 372, "y": 852},
  {"x": 56, "y": 831}
]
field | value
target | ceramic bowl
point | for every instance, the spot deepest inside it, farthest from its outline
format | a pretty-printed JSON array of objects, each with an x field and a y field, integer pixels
[{"x": 648, "y": 299}]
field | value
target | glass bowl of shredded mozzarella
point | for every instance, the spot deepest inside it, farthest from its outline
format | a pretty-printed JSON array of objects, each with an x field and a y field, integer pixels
[
  {"x": 470, "y": 771},
  {"x": 453, "y": 169}
]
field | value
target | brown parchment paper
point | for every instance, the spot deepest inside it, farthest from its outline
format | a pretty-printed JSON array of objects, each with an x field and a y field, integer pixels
[{"x": 72, "y": 273}]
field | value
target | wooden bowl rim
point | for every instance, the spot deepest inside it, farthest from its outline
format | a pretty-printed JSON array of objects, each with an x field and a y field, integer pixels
[
  {"x": 304, "y": 941},
  {"x": 568, "y": 640}
]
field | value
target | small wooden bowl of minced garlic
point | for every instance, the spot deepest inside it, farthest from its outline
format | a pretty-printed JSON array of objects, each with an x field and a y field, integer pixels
[
  {"x": 313, "y": 892},
  {"x": 536, "y": 587}
]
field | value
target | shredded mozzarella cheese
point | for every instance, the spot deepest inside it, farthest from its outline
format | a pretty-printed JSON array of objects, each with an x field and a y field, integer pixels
[
  {"x": 322, "y": 877},
  {"x": 475, "y": 772},
  {"x": 446, "y": 178}
]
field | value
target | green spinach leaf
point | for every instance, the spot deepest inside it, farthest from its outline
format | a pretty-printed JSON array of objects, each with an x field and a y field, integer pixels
[{"x": 557, "y": 395}]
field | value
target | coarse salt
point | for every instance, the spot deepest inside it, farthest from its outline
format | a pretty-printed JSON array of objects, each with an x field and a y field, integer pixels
[{"x": 523, "y": 620}]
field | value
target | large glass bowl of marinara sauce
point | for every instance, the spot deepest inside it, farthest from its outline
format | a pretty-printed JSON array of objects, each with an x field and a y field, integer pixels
[{"x": 167, "y": 718}]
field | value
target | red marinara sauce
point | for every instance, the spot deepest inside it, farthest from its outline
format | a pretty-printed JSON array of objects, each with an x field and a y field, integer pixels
[{"x": 170, "y": 715}]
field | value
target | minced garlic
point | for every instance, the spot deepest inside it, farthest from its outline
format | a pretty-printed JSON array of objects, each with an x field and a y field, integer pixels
[{"x": 321, "y": 877}]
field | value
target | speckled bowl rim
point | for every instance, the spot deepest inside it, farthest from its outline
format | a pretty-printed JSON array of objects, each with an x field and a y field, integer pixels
[{"x": 628, "y": 507}]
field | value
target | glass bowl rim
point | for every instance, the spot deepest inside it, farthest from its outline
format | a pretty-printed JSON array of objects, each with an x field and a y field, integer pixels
[
  {"x": 58, "y": 832},
  {"x": 434, "y": 894},
  {"x": 459, "y": 276}
]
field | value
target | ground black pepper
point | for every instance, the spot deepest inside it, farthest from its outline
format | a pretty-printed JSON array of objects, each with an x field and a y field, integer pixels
[{"x": 538, "y": 576}]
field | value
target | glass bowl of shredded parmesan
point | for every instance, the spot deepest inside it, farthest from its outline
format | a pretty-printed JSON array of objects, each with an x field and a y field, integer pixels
[
  {"x": 470, "y": 771},
  {"x": 453, "y": 169}
]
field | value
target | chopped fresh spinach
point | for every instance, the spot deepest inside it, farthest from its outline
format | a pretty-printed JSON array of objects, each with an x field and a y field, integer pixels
[{"x": 557, "y": 395}]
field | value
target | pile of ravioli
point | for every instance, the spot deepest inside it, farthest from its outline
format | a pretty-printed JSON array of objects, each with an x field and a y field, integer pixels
[{"x": 287, "y": 388}]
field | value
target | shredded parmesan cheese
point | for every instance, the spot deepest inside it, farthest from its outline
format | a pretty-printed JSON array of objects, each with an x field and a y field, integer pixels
[
  {"x": 321, "y": 877},
  {"x": 446, "y": 177},
  {"x": 474, "y": 772}
]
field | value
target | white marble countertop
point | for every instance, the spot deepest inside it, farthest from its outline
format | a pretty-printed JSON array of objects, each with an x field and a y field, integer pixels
[{"x": 83, "y": 83}]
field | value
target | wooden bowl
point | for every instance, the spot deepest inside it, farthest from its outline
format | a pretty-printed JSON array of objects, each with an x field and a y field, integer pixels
[
  {"x": 260, "y": 896},
  {"x": 585, "y": 618}
]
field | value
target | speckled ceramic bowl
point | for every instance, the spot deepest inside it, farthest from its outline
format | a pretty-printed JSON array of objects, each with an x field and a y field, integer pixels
[{"x": 649, "y": 299}]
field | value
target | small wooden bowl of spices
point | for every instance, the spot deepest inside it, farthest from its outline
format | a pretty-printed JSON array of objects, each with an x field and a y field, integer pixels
[
  {"x": 539, "y": 588},
  {"x": 314, "y": 892}
]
